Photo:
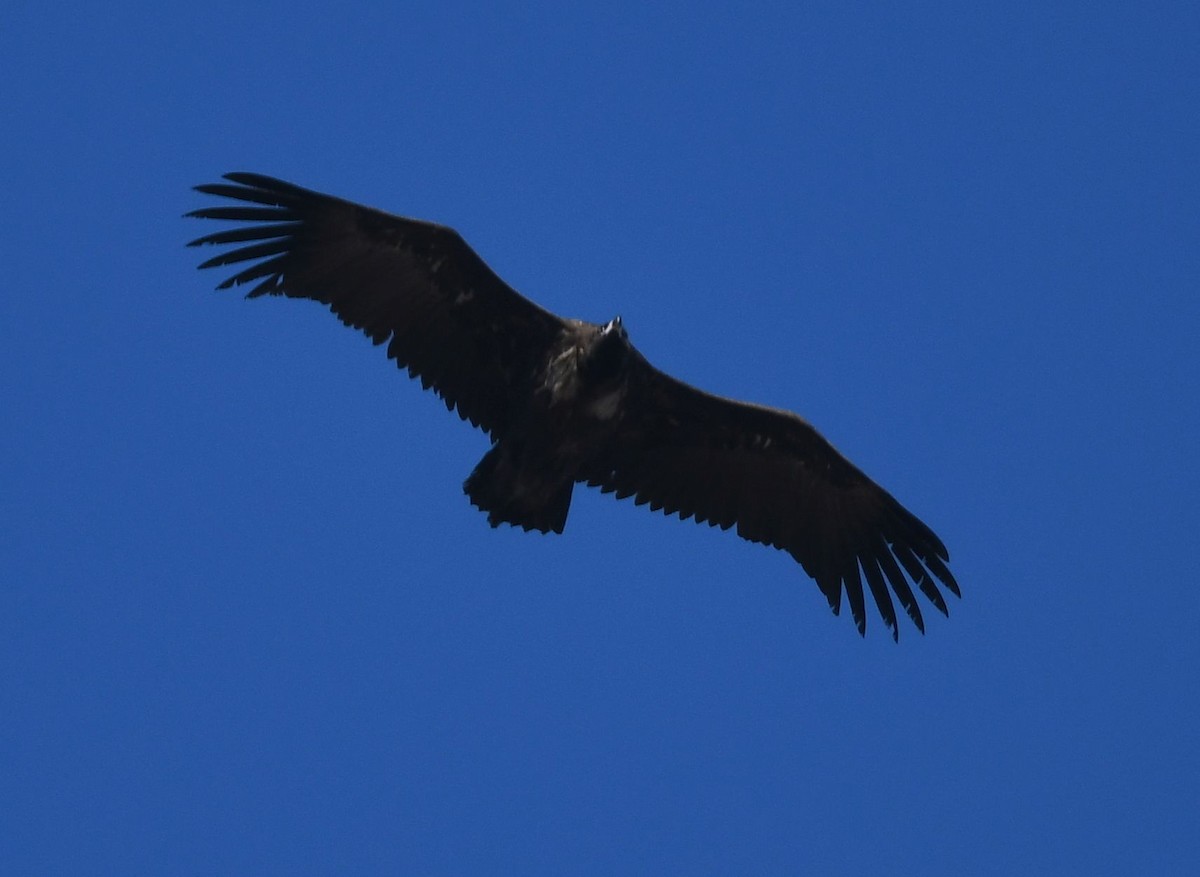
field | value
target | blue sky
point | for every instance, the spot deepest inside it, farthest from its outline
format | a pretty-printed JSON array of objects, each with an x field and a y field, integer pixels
[{"x": 248, "y": 622}]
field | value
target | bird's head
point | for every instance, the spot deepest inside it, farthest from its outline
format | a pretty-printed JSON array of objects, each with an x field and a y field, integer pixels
[
  {"x": 614, "y": 327},
  {"x": 608, "y": 352}
]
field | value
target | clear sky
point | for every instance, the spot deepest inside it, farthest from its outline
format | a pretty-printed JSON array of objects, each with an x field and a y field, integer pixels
[{"x": 250, "y": 625}]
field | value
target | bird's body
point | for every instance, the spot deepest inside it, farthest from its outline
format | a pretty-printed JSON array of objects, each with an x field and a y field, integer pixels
[
  {"x": 571, "y": 417},
  {"x": 566, "y": 401}
]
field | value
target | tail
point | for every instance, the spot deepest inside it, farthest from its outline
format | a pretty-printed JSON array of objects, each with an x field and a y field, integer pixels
[{"x": 527, "y": 496}]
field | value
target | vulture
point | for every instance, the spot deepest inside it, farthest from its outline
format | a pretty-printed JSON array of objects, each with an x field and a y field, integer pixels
[{"x": 569, "y": 402}]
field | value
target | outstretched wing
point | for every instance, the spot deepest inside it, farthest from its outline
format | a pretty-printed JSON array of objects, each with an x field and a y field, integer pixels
[
  {"x": 772, "y": 475},
  {"x": 444, "y": 314}
]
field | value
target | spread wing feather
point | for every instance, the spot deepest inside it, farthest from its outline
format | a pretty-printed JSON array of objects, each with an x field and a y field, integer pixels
[
  {"x": 773, "y": 476},
  {"x": 446, "y": 317}
]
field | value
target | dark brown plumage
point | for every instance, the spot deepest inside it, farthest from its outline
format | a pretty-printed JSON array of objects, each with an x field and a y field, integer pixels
[{"x": 565, "y": 401}]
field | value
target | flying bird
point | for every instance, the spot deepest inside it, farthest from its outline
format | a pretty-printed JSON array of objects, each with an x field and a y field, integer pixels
[{"x": 568, "y": 402}]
